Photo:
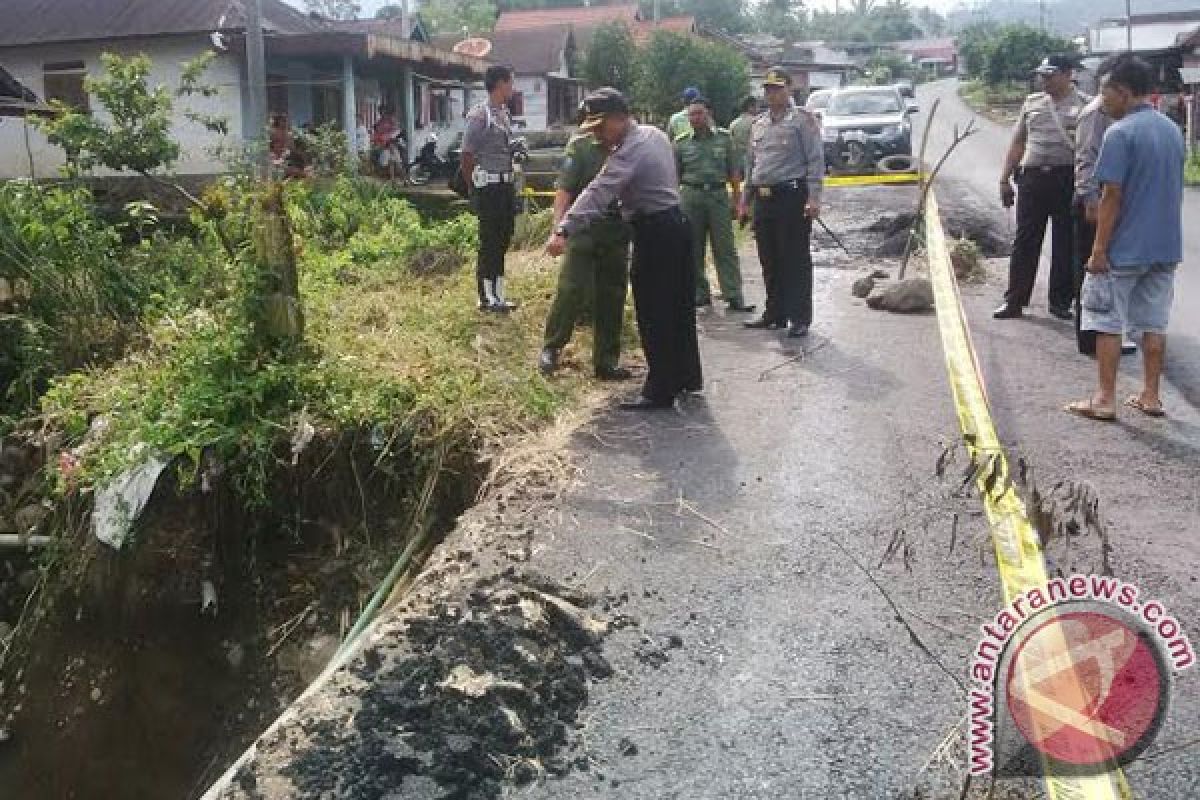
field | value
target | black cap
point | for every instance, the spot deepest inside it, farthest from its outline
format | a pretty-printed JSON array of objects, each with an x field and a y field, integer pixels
[
  {"x": 1059, "y": 62},
  {"x": 600, "y": 103}
]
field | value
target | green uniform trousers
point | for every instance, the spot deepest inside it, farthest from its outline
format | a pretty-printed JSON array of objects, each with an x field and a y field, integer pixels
[
  {"x": 711, "y": 216},
  {"x": 595, "y": 268}
]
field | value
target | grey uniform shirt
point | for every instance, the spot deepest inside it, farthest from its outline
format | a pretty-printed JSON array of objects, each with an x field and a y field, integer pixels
[
  {"x": 785, "y": 150},
  {"x": 487, "y": 138},
  {"x": 1089, "y": 134},
  {"x": 640, "y": 173},
  {"x": 1049, "y": 143}
]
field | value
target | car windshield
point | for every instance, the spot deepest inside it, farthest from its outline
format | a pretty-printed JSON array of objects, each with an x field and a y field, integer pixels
[
  {"x": 852, "y": 104},
  {"x": 818, "y": 100}
]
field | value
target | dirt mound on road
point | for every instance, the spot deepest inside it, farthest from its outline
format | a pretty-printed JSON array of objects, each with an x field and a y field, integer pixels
[
  {"x": 960, "y": 222},
  {"x": 481, "y": 695}
]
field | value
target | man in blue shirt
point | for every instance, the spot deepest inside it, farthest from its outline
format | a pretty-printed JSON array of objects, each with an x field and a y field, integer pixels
[{"x": 1139, "y": 238}]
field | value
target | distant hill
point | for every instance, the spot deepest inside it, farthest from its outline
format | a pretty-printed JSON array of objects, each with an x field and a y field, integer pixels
[{"x": 1066, "y": 17}]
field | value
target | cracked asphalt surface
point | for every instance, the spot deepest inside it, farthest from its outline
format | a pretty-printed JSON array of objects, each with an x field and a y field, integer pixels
[{"x": 756, "y": 657}]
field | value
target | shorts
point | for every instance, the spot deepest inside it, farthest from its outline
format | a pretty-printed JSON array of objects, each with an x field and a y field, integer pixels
[{"x": 1128, "y": 299}]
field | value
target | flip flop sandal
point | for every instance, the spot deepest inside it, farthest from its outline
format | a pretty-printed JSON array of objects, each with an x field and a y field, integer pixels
[
  {"x": 1135, "y": 403},
  {"x": 1083, "y": 408}
]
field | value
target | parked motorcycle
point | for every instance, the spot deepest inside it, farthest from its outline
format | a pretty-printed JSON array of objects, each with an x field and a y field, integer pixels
[{"x": 429, "y": 164}]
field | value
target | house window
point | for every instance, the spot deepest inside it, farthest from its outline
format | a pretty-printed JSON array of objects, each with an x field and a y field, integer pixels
[
  {"x": 516, "y": 104},
  {"x": 64, "y": 83}
]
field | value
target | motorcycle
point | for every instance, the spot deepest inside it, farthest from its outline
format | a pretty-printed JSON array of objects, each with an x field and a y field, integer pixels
[{"x": 429, "y": 165}]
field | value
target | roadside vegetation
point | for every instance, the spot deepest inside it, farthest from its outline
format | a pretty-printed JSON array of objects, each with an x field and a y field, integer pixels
[
  {"x": 998, "y": 60},
  {"x": 1191, "y": 173}
]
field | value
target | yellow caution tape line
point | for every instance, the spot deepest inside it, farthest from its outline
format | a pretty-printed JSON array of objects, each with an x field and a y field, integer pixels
[
  {"x": 873, "y": 180},
  {"x": 830, "y": 181},
  {"x": 1019, "y": 556}
]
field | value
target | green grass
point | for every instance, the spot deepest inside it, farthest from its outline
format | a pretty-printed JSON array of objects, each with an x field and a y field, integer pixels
[
  {"x": 1191, "y": 173},
  {"x": 1001, "y": 100},
  {"x": 389, "y": 347}
]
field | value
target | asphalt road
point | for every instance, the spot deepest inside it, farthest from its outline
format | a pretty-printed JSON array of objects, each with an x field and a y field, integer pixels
[
  {"x": 794, "y": 589},
  {"x": 973, "y": 170}
]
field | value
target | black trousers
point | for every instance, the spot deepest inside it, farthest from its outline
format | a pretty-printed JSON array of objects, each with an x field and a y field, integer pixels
[
  {"x": 497, "y": 209},
  {"x": 1085, "y": 236},
  {"x": 664, "y": 296},
  {"x": 1043, "y": 195},
  {"x": 783, "y": 233}
]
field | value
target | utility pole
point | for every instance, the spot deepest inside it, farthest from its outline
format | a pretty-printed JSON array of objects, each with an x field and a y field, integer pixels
[
  {"x": 1042, "y": 15},
  {"x": 256, "y": 83},
  {"x": 657, "y": 12},
  {"x": 1128, "y": 26}
]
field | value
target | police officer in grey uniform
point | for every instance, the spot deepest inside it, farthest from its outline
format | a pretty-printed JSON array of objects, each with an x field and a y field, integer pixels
[
  {"x": 640, "y": 172},
  {"x": 785, "y": 170},
  {"x": 1043, "y": 145},
  {"x": 487, "y": 168}
]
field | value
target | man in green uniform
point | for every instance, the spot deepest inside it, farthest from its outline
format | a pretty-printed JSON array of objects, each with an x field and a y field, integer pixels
[
  {"x": 678, "y": 122},
  {"x": 706, "y": 160},
  {"x": 596, "y": 267},
  {"x": 740, "y": 128}
]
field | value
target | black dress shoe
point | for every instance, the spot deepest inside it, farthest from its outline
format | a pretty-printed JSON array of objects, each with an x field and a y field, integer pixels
[
  {"x": 547, "y": 360},
  {"x": 1061, "y": 313},
  {"x": 613, "y": 374},
  {"x": 737, "y": 305},
  {"x": 764, "y": 324},
  {"x": 641, "y": 403},
  {"x": 797, "y": 331},
  {"x": 1007, "y": 311}
]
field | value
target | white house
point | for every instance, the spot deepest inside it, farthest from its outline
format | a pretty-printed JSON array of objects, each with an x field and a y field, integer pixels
[
  {"x": 546, "y": 91},
  {"x": 318, "y": 71}
]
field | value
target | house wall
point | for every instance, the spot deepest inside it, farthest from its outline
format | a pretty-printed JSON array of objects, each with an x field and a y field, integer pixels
[
  {"x": 535, "y": 90},
  {"x": 168, "y": 55}
]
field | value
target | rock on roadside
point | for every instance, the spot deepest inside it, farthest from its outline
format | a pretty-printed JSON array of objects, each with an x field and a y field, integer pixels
[{"x": 909, "y": 296}]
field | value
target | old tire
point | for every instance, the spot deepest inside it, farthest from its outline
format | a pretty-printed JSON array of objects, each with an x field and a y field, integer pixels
[{"x": 897, "y": 165}]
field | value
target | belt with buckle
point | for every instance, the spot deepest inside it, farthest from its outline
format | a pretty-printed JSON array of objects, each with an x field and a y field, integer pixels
[
  {"x": 707, "y": 187},
  {"x": 786, "y": 187},
  {"x": 499, "y": 177}
]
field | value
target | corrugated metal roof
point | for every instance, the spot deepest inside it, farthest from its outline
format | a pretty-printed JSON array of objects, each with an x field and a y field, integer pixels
[
  {"x": 590, "y": 16},
  {"x": 45, "y": 21},
  {"x": 530, "y": 51}
]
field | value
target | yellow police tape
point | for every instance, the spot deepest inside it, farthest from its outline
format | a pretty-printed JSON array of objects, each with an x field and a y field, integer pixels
[
  {"x": 1019, "y": 557},
  {"x": 830, "y": 181},
  {"x": 873, "y": 180}
]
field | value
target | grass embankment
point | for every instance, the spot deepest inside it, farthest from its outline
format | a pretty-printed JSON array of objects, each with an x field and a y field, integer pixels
[
  {"x": 394, "y": 344},
  {"x": 1191, "y": 174},
  {"x": 999, "y": 103}
]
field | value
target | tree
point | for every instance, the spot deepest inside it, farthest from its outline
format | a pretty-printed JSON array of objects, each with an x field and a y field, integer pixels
[
  {"x": 974, "y": 43},
  {"x": 333, "y": 9},
  {"x": 783, "y": 18},
  {"x": 135, "y": 133},
  {"x": 931, "y": 22},
  {"x": 892, "y": 22},
  {"x": 1016, "y": 49},
  {"x": 452, "y": 16},
  {"x": 390, "y": 12},
  {"x": 611, "y": 60},
  {"x": 725, "y": 15},
  {"x": 670, "y": 61}
]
